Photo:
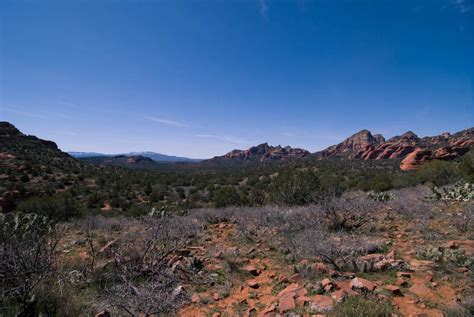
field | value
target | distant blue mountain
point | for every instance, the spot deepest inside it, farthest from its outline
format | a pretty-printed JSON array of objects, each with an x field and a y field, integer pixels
[{"x": 158, "y": 157}]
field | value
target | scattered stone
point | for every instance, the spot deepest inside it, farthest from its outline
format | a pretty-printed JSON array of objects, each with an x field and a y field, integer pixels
[
  {"x": 251, "y": 269},
  {"x": 401, "y": 282},
  {"x": 346, "y": 287},
  {"x": 338, "y": 296},
  {"x": 382, "y": 296},
  {"x": 325, "y": 282},
  {"x": 253, "y": 284},
  {"x": 362, "y": 284},
  {"x": 289, "y": 291},
  {"x": 420, "y": 290},
  {"x": 434, "y": 284},
  {"x": 395, "y": 290},
  {"x": 269, "y": 310},
  {"x": 216, "y": 296},
  {"x": 302, "y": 300},
  {"x": 195, "y": 298},
  {"x": 302, "y": 292},
  {"x": 428, "y": 278},
  {"x": 286, "y": 303},
  {"x": 422, "y": 305},
  {"x": 322, "y": 303},
  {"x": 404, "y": 274},
  {"x": 295, "y": 278}
]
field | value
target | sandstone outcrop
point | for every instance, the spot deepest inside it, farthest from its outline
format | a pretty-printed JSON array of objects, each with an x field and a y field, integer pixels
[{"x": 412, "y": 150}]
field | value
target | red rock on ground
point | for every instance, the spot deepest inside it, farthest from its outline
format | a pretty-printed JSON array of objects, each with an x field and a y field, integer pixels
[
  {"x": 195, "y": 298},
  {"x": 252, "y": 284},
  {"x": 359, "y": 283},
  {"x": 338, "y": 296},
  {"x": 286, "y": 303},
  {"x": 251, "y": 269},
  {"x": 395, "y": 290},
  {"x": 322, "y": 303}
]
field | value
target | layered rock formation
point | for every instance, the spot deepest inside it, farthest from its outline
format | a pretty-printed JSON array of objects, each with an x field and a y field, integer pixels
[
  {"x": 263, "y": 152},
  {"x": 412, "y": 150}
]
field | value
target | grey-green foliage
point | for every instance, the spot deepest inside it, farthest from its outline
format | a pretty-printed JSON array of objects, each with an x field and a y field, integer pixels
[
  {"x": 20, "y": 225},
  {"x": 26, "y": 255},
  {"x": 383, "y": 196},
  {"x": 440, "y": 254},
  {"x": 457, "y": 192},
  {"x": 157, "y": 213}
]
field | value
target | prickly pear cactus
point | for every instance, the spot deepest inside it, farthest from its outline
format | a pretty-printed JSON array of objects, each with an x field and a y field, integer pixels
[
  {"x": 20, "y": 225},
  {"x": 157, "y": 213},
  {"x": 456, "y": 257},
  {"x": 380, "y": 196},
  {"x": 457, "y": 192}
]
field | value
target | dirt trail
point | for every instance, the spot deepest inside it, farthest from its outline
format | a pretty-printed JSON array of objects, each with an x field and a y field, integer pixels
[
  {"x": 248, "y": 294},
  {"x": 257, "y": 295}
]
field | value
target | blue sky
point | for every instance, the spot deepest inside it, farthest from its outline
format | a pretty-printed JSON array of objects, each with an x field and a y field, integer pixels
[{"x": 199, "y": 78}]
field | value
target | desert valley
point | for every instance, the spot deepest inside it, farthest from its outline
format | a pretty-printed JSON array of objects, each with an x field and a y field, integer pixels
[
  {"x": 367, "y": 227},
  {"x": 249, "y": 158}
]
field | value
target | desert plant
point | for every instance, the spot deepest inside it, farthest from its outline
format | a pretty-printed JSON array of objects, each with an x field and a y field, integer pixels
[
  {"x": 343, "y": 214},
  {"x": 142, "y": 280},
  {"x": 383, "y": 196},
  {"x": 455, "y": 257},
  {"x": 58, "y": 207},
  {"x": 27, "y": 257},
  {"x": 356, "y": 306},
  {"x": 295, "y": 187}
]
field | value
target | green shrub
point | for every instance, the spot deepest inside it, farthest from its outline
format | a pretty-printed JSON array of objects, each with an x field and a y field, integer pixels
[
  {"x": 437, "y": 172},
  {"x": 58, "y": 207},
  {"x": 356, "y": 306},
  {"x": 295, "y": 187},
  {"x": 466, "y": 167},
  {"x": 226, "y": 196}
]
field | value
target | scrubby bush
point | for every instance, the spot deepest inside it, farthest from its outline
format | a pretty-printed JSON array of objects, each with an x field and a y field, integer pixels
[
  {"x": 466, "y": 167},
  {"x": 58, "y": 207},
  {"x": 344, "y": 214},
  {"x": 143, "y": 279},
  {"x": 356, "y": 306},
  {"x": 225, "y": 197},
  {"x": 295, "y": 187},
  {"x": 438, "y": 172},
  {"x": 27, "y": 257}
]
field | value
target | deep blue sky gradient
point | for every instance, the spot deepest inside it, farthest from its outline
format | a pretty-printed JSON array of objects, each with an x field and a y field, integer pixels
[{"x": 199, "y": 78}]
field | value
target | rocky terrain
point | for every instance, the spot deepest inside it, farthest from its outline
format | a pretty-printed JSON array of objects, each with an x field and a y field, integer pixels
[
  {"x": 413, "y": 258},
  {"x": 262, "y": 153},
  {"x": 322, "y": 237},
  {"x": 412, "y": 150}
]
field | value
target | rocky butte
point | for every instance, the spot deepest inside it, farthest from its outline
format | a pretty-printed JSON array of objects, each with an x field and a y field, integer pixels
[{"x": 412, "y": 150}]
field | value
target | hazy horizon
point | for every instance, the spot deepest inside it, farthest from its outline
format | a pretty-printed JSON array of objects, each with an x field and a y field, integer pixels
[{"x": 198, "y": 79}]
